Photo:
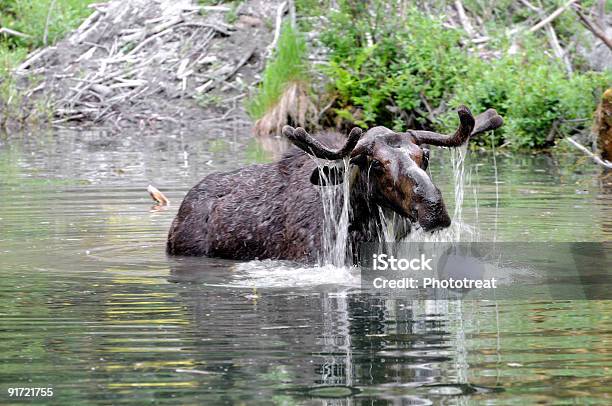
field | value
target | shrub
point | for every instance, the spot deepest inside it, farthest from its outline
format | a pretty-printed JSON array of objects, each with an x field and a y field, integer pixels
[
  {"x": 532, "y": 93},
  {"x": 396, "y": 66},
  {"x": 388, "y": 72}
]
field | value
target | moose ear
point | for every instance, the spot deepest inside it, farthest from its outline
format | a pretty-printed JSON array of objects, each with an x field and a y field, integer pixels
[{"x": 327, "y": 176}]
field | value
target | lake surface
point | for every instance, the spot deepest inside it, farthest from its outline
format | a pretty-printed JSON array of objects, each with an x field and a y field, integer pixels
[{"x": 92, "y": 307}]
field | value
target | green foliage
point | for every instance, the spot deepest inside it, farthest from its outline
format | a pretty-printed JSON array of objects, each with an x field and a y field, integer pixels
[
  {"x": 10, "y": 97},
  {"x": 287, "y": 66},
  {"x": 394, "y": 66},
  {"x": 390, "y": 66},
  {"x": 30, "y": 17},
  {"x": 532, "y": 93}
]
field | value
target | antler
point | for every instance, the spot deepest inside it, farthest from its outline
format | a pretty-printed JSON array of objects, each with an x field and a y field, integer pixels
[
  {"x": 487, "y": 121},
  {"x": 466, "y": 125},
  {"x": 304, "y": 141}
]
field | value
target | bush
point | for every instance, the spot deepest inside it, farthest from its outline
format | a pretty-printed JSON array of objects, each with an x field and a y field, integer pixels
[
  {"x": 384, "y": 74},
  {"x": 404, "y": 69},
  {"x": 533, "y": 94}
]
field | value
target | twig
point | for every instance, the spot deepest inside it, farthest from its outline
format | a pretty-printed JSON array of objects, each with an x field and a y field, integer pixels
[
  {"x": 157, "y": 195},
  {"x": 14, "y": 33},
  {"x": 279, "y": 20},
  {"x": 551, "y": 17},
  {"x": 209, "y": 85},
  {"x": 292, "y": 12},
  {"x": 530, "y": 6},
  {"x": 550, "y": 32},
  {"x": 463, "y": 18},
  {"x": 33, "y": 57},
  {"x": 556, "y": 46},
  {"x": 595, "y": 158},
  {"x": 593, "y": 28},
  {"x": 81, "y": 33},
  {"x": 241, "y": 62},
  {"x": 158, "y": 31},
  {"x": 46, "y": 34}
]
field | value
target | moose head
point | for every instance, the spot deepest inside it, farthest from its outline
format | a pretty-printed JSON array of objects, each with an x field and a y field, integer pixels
[{"x": 389, "y": 168}]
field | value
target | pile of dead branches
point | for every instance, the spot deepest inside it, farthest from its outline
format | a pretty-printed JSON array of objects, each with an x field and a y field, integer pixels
[{"x": 138, "y": 62}]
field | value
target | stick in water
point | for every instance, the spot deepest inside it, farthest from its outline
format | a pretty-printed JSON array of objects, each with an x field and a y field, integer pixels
[
  {"x": 158, "y": 196},
  {"x": 595, "y": 158}
]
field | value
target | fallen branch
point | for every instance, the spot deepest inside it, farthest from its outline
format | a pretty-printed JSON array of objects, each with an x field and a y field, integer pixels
[
  {"x": 551, "y": 17},
  {"x": 33, "y": 57},
  {"x": 14, "y": 33},
  {"x": 595, "y": 158},
  {"x": 157, "y": 195},
  {"x": 279, "y": 20},
  {"x": 209, "y": 85},
  {"x": 463, "y": 18},
  {"x": 593, "y": 28},
  {"x": 156, "y": 32},
  {"x": 550, "y": 31}
]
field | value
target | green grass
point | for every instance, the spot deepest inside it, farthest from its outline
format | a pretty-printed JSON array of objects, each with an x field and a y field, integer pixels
[
  {"x": 30, "y": 18},
  {"x": 288, "y": 65}
]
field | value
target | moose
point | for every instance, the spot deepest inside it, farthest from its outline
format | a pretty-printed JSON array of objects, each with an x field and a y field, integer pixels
[{"x": 274, "y": 210}]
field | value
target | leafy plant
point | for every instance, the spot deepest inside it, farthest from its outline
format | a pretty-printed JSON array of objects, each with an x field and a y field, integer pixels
[{"x": 394, "y": 65}]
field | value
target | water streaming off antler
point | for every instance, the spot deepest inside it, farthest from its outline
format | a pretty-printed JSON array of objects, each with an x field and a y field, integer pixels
[
  {"x": 335, "y": 249},
  {"x": 458, "y": 230}
]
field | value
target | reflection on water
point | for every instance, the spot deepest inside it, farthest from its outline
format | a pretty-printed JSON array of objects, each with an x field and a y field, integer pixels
[{"x": 92, "y": 307}]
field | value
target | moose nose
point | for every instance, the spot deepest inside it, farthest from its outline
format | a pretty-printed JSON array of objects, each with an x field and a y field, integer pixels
[
  {"x": 435, "y": 221},
  {"x": 431, "y": 210},
  {"x": 429, "y": 205}
]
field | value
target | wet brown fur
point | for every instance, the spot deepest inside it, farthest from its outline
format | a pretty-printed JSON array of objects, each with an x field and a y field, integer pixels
[{"x": 274, "y": 211}]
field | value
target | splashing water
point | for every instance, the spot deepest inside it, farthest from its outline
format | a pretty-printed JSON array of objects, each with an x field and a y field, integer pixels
[
  {"x": 335, "y": 259},
  {"x": 277, "y": 274},
  {"x": 334, "y": 265},
  {"x": 458, "y": 230},
  {"x": 335, "y": 249},
  {"x": 428, "y": 243}
]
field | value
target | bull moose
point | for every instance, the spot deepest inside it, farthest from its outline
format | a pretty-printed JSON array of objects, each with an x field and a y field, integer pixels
[{"x": 275, "y": 210}]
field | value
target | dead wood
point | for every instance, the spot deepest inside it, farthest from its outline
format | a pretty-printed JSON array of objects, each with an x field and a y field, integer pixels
[
  {"x": 133, "y": 58},
  {"x": 597, "y": 31}
]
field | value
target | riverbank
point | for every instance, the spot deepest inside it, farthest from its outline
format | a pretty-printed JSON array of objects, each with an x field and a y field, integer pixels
[
  {"x": 141, "y": 66},
  {"x": 131, "y": 66}
]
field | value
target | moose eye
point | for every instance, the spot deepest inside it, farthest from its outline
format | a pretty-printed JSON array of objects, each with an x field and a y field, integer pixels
[{"x": 376, "y": 165}]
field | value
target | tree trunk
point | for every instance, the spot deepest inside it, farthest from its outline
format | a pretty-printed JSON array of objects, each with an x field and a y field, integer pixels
[{"x": 603, "y": 125}]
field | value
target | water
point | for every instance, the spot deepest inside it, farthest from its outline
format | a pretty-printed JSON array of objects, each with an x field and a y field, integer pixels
[
  {"x": 335, "y": 250},
  {"x": 92, "y": 307}
]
